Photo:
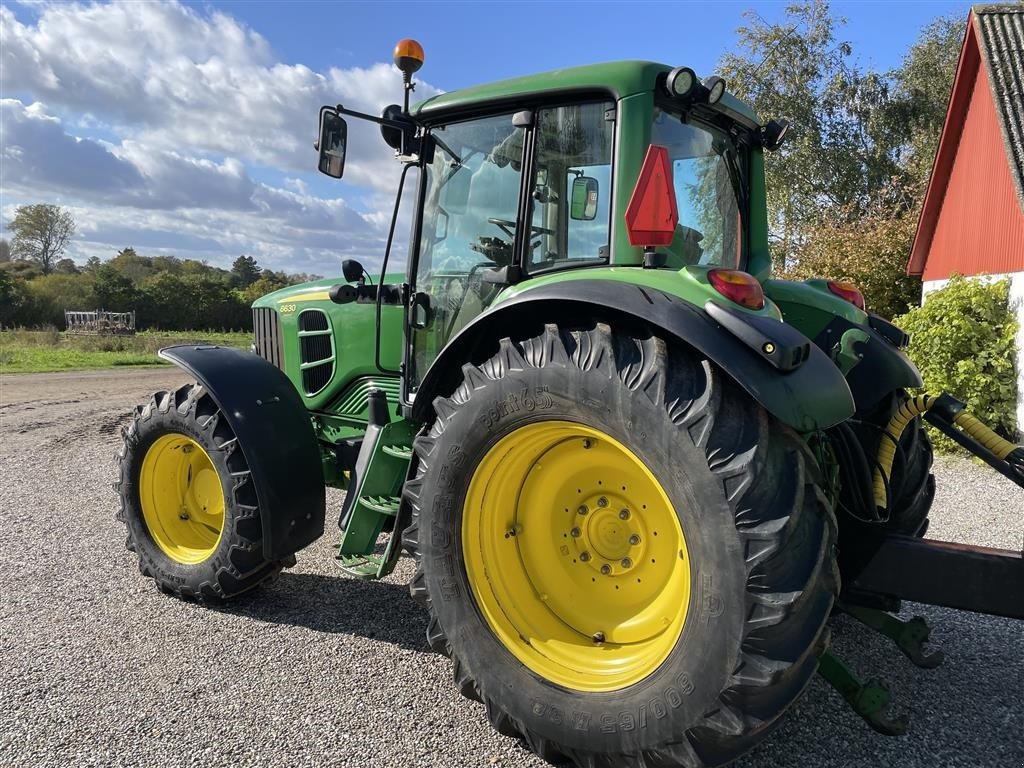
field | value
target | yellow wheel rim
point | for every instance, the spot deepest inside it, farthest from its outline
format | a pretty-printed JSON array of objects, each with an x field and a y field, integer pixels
[
  {"x": 182, "y": 499},
  {"x": 575, "y": 556}
]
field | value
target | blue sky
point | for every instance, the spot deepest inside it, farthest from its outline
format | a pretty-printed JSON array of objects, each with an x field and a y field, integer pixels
[{"x": 186, "y": 129}]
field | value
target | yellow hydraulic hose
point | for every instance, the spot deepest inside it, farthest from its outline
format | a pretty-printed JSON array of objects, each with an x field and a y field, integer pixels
[{"x": 907, "y": 412}]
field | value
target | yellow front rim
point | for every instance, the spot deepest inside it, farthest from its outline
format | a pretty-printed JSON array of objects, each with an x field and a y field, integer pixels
[
  {"x": 182, "y": 498},
  {"x": 575, "y": 556}
]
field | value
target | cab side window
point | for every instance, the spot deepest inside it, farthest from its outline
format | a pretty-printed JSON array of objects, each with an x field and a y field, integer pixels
[{"x": 572, "y": 191}]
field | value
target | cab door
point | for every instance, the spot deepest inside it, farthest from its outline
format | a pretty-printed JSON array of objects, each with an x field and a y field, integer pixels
[
  {"x": 471, "y": 190},
  {"x": 487, "y": 178}
]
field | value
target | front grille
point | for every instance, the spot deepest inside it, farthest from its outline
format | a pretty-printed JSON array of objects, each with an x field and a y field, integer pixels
[
  {"x": 316, "y": 350},
  {"x": 314, "y": 320},
  {"x": 266, "y": 330}
]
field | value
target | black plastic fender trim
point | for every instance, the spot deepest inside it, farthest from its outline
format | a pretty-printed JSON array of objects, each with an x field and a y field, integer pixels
[
  {"x": 883, "y": 368},
  {"x": 275, "y": 435},
  {"x": 813, "y": 395}
]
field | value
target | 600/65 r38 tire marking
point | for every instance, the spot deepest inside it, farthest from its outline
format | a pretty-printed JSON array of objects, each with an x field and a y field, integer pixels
[
  {"x": 734, "y": 490},
  {"x": 188, "y": 500}
]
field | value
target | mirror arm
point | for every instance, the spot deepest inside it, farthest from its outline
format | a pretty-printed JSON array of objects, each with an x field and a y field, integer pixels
[{"x": 372, "y": 118}]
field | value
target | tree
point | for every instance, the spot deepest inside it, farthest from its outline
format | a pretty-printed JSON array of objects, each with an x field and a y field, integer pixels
[
  {"x": 923, "y": 83},
  {"x": 844, "y": 191},
  {"x": 66, "y": 266},
  {"x": 112, "y": 290},
  {"x": 16, "y": 306},
  {"x": 5, "y": 251},
  {"x": 41, "y": 233},
  {"x": 55, "y": 293},
  {"x": 871, "y": 251},
  {"x": 245, "y": 271},
  {"x": 132, "y": 266},
  {"x": 266, "y": 284}
]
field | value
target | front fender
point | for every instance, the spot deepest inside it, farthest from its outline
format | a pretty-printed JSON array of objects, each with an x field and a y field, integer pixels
[
  {"x": 275, "y": 435},
  {"x": 795, "y": 381}
]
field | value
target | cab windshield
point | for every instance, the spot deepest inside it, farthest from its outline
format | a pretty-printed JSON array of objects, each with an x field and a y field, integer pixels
[{"x": 704, "y": 174}]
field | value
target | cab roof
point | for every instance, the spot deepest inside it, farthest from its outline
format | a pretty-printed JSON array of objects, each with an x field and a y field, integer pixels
[{"x": 621, "y": 78}]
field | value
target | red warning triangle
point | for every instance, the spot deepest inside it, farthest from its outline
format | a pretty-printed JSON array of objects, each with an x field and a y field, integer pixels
[{"x": 652, "y": 215}]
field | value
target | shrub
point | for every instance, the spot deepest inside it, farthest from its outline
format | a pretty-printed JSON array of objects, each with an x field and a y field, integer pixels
[{"x": 964, "y": 341}]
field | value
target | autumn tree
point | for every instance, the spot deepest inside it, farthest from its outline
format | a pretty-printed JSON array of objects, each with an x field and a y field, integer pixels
[{"x": 41, "y": 233}]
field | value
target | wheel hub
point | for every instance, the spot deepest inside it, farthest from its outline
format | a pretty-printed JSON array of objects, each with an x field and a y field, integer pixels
[{"x": 611, "y": 534}]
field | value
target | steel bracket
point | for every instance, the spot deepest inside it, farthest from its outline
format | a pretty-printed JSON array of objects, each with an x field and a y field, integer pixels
[
  {"x": 868, "y": 699},
  {"x": 909, "y": 636}
]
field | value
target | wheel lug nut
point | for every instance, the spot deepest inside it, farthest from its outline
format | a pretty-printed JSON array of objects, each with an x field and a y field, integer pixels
[
  {"x": 627, "y": 563},
  {"x": 634, "y": 539},
  {"x": 584, "y": 556},
  {"x": 597, "y": 637},
  {"x": 624, "y": 514},
  {"x": 587, "y": 442},
  {"x": 606, "y": 569},
  {"x": 583, "y": 509},
  {"x": 575, "y": 532},
  {"x": 602, "y": 502}
]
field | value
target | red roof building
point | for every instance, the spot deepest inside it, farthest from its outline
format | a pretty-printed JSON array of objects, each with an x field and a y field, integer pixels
[{"x": 972, "y": 221}]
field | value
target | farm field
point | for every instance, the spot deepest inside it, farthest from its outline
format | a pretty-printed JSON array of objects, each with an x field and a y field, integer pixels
[
  {"x": 98, "y": 668},
  {"x": 23, "y": 351}
]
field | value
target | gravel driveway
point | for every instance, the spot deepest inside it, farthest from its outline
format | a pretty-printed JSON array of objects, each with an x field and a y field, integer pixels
[{"x": 98, "y": 668}]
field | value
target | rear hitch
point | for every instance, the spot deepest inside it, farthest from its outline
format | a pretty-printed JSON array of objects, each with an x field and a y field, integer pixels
[
  {"x": 910, "y": 636},
  {"x": 868, "y": 699}
]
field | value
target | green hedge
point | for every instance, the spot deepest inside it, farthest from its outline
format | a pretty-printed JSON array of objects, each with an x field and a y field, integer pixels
[{"x": 964, "y": 341}]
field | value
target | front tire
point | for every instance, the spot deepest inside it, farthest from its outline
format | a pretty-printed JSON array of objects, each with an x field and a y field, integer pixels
[
  {"x": 188, "y": 499},
  {"x": 694, "y": 664}
]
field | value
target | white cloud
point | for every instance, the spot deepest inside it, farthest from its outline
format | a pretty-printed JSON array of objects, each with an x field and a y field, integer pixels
[{"x": 193, "y": 107}]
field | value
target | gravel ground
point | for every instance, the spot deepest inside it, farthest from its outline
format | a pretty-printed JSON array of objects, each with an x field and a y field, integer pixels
[{"x": 98, "y": 668}]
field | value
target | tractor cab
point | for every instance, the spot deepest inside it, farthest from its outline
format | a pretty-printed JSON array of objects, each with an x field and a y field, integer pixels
[{"x": 516, "y": 185}]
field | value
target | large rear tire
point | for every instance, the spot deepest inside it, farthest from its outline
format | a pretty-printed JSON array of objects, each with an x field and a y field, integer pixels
[
  {"x": 912, "y": 484},
  {"x": 631, "y": 450},
  {"x": 188, "y": 500}
]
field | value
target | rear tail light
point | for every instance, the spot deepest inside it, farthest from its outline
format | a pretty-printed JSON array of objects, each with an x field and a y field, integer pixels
[
  {"x": 847, "y": 291},
  {"x": 738, "y": 287}
]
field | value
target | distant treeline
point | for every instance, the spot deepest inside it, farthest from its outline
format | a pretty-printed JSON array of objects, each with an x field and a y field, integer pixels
[{"x": 167, "y": 293}]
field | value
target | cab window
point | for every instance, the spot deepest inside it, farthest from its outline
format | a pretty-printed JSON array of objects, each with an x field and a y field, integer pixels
[
  {"x": 704, "y": 166},
  {"x": 571, "y": 191}
]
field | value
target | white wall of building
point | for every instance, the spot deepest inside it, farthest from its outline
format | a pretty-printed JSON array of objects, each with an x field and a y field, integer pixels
[{"x": 1017, "y": 302}]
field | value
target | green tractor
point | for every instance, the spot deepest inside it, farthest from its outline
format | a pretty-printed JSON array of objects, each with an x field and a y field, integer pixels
[{"x": 637, "y": 475}]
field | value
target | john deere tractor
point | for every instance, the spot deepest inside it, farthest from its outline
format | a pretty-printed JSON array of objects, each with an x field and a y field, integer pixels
[{"x": 637, "y": 475}]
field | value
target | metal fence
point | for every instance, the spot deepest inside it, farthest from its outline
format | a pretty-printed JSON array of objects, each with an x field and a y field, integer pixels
[{"x": 100, "y": 322}]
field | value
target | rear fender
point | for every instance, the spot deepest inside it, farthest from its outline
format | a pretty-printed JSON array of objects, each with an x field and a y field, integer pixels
[
  {"x": 777, "y": 365},
  {"x": 275, "y": 435}
]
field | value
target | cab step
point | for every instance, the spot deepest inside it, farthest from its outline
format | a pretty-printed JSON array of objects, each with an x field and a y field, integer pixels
[
  {"x": 398, "y": 451},
  {"x": 362, "y": 566},
  {"x": 385, "y": 505}
]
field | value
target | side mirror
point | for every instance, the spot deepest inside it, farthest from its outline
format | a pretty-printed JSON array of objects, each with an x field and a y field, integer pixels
[
  {"x": 583, "y": 205},
  {"x": 332, "y": 144},
  {"x": 352, "y": 270}
]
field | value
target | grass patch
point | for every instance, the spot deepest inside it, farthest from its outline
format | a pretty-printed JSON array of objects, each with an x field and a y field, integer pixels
[{"x": 24, "y": 351}]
